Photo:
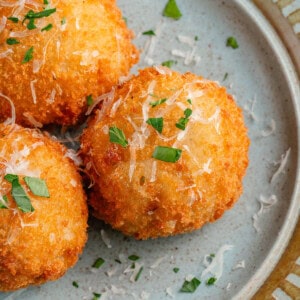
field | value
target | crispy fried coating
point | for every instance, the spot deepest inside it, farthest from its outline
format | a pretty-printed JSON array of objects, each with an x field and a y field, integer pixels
[
  {"x": 145, "y": 197},
  {"x": 41, "y": 245},
  {"x": 85, "y": 52}
]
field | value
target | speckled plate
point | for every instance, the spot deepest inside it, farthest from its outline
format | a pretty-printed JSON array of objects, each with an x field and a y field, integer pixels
[{"x": 262, "y": 79}]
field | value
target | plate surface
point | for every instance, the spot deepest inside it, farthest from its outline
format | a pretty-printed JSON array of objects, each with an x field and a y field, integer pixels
[{"x": 261, "y": 78}]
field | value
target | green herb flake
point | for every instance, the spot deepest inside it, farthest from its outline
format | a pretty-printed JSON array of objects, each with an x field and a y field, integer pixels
[
  {"x": 118, "y": 261},
  {"x": 182, "y": 122},
  {"x": 89, "y": 100},
  {"x": 47, "y": 28},
  {"x": 31, "y": 24},
  {"x": 196, "y": 38},
  {"x": 175, "y": 270},
  {"x": 96, "y": 296},
  {"x": 149, "y": 32},
  {"x": 74, "y": 283},
  {"x": 10, "y": 177},
  {"x": 37, "y": 186},
  {"x": 138, "y": 275},
  {"x": 211, "y": 281},
  {"x": 19, "y": 195},
  {"x": 41, "y": 14},
  {"x": 156, "y": 123},
  {"x": 125, "y": 20},
  {"x": 190, "y": 286},
  {"x": 232, "y": 42},
  {"x": 171, "y": 10},
  {"x": 46, "y": 2},
  {"x": 212, "y": 255},
  {"x": 133, "y": 257},
  {"x": 189, "y": 101},
  {"x": 28, "y": 55},
  {"x": 3, "y": 202},
  {"x": 169, "y": 63},
  {"x": 158, "y": 102},
  {"x": 188, "y": 112},
  {"x": 117, "y": 136},
  {"x": 225, "y": 76},
  {"x": 167, "y": 154},
  {"x": 63, "y": 21},
  {"x": 12, "y": 41},
  {"x": 98, "y": 263},
  {"x": 132, "y": 266},
  {"x": 13, "y": 19}
]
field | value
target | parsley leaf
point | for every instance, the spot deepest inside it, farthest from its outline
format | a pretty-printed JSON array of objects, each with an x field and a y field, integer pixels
[
  {"x": 10, "y": 177},
  {"x": 190, "y": 286},
  {"x": 98, "y": 263},
  {"x": 149, "y": 32},
  {"x": 169, "y": 63},
  {"x": 175, "y": 270},
  {"x": 156, "y": 123},
  {"x": 3, "y": 202},
  {"x": 117, "y": 136},
  {"x": 89, "y": 100},
  {"x": 47, "y": 28},
  {"x": 133, "y": 257},
  {"x": 28, "y": 55},
  {"x": 232, "y": 42},
  {"x": 31, "y": 24},
  {"x": 96, "y": 296},
  {"x": 37, "y": 186},
  {"x": 166, "y": 154},
  {"x": 225, "y": 76},
  {"x": 13, "y": 19},
  {"x": 74, "y": 283},
  {"x": 63, "y": 21},
  {"x": 211, "y": 281},
  {"x": 189, "y": 101},
  {"x": 171, "y": 10},
  {"x": 158, "y": 102},
  {"x": 12, "y": 41},
  {"x": 181, "y": 124},
  {"x": 41, "y": 14},
  {"x": 138, "y": 274}
]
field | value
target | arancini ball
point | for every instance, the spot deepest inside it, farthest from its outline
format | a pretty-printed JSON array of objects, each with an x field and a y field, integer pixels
[{"x": 166, "y": 155}]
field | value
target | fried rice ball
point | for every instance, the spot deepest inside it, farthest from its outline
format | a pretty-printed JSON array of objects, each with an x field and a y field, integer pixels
[
  {"x": 167, "y": 155},
  {"x": 39, "y": 241},
  {"x": 56, "y": 59}
]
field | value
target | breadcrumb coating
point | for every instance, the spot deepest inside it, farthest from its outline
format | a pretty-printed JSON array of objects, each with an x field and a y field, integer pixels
[
  {"x": 85, "y": 52},
  {"x": 41, "y": 245},
  {"x": 148, "y": 198}
]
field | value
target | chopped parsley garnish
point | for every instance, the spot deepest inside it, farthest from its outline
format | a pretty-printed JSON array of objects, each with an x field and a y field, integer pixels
[
  {"x": 225, "y": 76},
  {"x": 63, "y": 21},
  {"x": 133, "y": 257},
  {"x": 89, "y": 100},
  {"x": 156, "y": 123},
  {"x": 138, "y": 275},
  {"x": 169, "y": 63},
  {"x": 98, "y": 263},
  {"x": 132, "y": 265},
  {"x": 96, "y": 296},
  {"x": 12, "y": 41},
  {"x": 232, "y": 42},
  {"x": 3, "y": 202},
  {"x": 212, "y": 255},
  {"x": 47, "y": 28},
  {"x": 181, "y": 124},
  {"x": 166, "y": 154},
  {"x": 13, "y": 19},
  {"x": 46, "y": 2},
  {"x": 175, "y": 270},
  {"x": 28, "y": 55},
  {"x": 37, "y": 186},
  {"x": 158, "y": 102},
  {"x": 118, "y": 261},
  {"x": 189, "y": 101},
  {"x": 31, "y": 24},
  {"x": 117, "y": 136},
  {"x": 18, "y": 193},
  {"x": 41, "y": 14},
  {"x": 211, "y": 281},
  {"x": 149, "y": 32},
  {"x": 190, "y": 286},
  {"x": 171, "y": 10},
  {"x": 125, "y": 20},
  {"x": 196, "y": 38},
  {"x": 74, "y": 283}
]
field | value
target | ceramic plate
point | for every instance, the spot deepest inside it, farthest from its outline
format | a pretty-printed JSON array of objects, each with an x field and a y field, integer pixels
[{"x": 255, "y": 232}]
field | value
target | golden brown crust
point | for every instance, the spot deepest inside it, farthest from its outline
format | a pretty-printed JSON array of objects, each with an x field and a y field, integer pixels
[
  {"x": 85, "y": 56},
  {"x": 177, "y": 197},
  {"x": 39, "y": 246}
]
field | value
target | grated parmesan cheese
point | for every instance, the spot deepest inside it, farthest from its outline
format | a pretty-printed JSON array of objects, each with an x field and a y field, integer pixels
[
  {"x": 11, "y": 120},
  {"x": 32, "y": 120},
  {"x": 283, "y": 163},
  {"x": 32, "y": 88},
  {"x": 270, "y": 130},
  {"x": 105, "y": 238}
]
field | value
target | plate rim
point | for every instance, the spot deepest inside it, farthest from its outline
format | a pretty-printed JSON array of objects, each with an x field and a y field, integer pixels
[{"x": 288, "y": 227}]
